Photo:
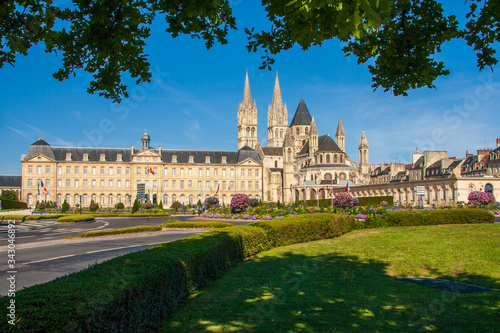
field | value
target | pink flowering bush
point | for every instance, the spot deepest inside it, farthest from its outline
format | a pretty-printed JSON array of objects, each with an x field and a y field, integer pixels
[
  {"x": 240, "y": 202},
  {"x": 478, "y": 198},
  {"x": 343, "y": 200}
]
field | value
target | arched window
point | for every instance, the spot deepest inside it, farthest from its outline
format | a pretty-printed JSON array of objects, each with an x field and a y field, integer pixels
[
  {"x": 119, "y": 198},
  {"x": 298, "y": 131},
  {"x": 327, "y": 158},
  {"x": 102, "y": 199},
  {"x": 248, "y": 131},
  {"x": 281, "y": 134},
  {"x": 174, "y": 198},
  {"x": 320, "y": 159},
  {"x": 341, "y": 158},
  {"x": 30, "y": 199},
  {"x": 77, "y": 199},
  {"x": 335, "y": 159},
  {"x": 191, "y": 200},
  {"x": 199, "y": 198},
  {"x": 155, "y": 198},
  {"x": 307, "y": 131},
  {"x": 183, "y": 199},
  {"x": 276, "y": 134},
  {"x": 253, "y": 132},
  {"x": 289, "y": 155},
  {"x": 85, "y": 200},
  {"x": 488, "y": 188},
  {"x": 94, "y": 198},
  {"x": 275, "y": 164},
  {"x": 224, "y": 200},
  {"x": 110, "y": 200},
  {"x": 68, "y": 199},
  {"x": 165, "y": 200},
  {"x": 128, "y": 200}
]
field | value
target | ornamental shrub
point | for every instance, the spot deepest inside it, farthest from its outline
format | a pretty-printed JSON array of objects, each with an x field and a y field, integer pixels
[
  {"x": 93, "y": 206},
  {"x": 478, "y": 198},
  {"x": 120, "y": 205},
  {"x": 176, "y": 205},
  {"x": 148, "y": 205},
  {"x": 160, "y": 205},
  {"x": 64, "y": 207},
  {"x": 343, "y": 200},
  {"x": 240, "y": 202},
  {"x": 211, "y": 202},
  {"x": 254, "y": 203},
  {"x": 135, "y": 206}
]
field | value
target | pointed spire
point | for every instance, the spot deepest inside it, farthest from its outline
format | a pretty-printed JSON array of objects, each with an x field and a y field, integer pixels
[
  {"x": 247, "y": 96},
  {"x": 416, "y": 150},
  {"x": 302, "y": 115},
  {"x": 314, "y": 129},
  {"x": 363, "y": 143},
  {"x": 277, "y": 100},
  {"x": 288, "y": 141},
  {"x": 340, "y": 129}
]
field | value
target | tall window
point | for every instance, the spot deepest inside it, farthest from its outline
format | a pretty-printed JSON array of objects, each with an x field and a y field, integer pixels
[
  {"x": 127, "y": 183},
  {"x": 111, "y": 170},
  {"x": 77, "y": 183},
  {"x": 102, "y": 170},
  {"x": 85, "y": 170},
  {"x": 94, "y": 170},
  {"x": 30, "y": 199},
  {"x": 30, "y": 169},
  {"x": 182, "y": 184},
  {"x": 127, "y": 171},
  {"x": 68, "y": 183},
  {"x": 59, "y": 170},
  {"x": 102, "y": 199},
  {"x": 47, "y": 169},
  {"x": 68, "y": 170},
  {"x": 59, "y": 199},
  {"x": 110, "y": 200},
  {"x": 84, "y": 199}
]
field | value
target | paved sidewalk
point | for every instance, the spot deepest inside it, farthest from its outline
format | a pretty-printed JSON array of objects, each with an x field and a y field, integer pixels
[{"x": 17, "y": 212}]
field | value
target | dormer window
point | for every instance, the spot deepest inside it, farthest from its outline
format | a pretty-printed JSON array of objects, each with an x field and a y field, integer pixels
[
  {"x": 191, "y": 159},
  {"x": 147, "y": 158},
  {"x": 155, "y": 159},
  {"x": 103, "y": 157},
  {"x": 85, "y": 157},
  {"x": 207, "y": 159},
  {"x": 119, "y": 157},
  {"x": 224, "y": 159},
  {"x": 68, "y": 156},
  {"x": 174, "y": 159},
  {"x": 138, "y": 159}
]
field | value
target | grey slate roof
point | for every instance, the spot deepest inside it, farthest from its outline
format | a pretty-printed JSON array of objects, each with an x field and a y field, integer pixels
[
  {"x": 302, "y": 115},
  {"x": 419, "y": 164},
  {"x": 327, "y": 144},
  {"x": 10, "y": 181},
  {"x": 94, "y": 154}
]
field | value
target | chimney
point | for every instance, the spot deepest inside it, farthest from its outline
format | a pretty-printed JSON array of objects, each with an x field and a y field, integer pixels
[
  {"x": 132, "y": 150},
  {"x": 498, "y": 142},
  {"x": 159, "y": 151}
]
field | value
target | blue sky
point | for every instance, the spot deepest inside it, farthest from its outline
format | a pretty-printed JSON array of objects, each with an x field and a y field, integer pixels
[{"x": 194, "y": 96}]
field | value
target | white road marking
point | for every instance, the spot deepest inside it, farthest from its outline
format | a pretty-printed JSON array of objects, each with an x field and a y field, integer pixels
[{"x": 34, "y": 262}]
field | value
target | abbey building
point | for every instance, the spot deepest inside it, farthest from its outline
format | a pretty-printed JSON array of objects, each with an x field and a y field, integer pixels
[{"x": 297, "y": 163}]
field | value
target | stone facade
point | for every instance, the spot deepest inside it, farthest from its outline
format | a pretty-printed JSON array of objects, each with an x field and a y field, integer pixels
[{"x": 297, "y": 164}]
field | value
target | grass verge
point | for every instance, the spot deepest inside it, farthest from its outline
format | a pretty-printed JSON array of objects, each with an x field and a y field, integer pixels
[
  {"x": 346, "y": 284},
  {"x": 198, "y": 225},
  {"x": 76, "y": 218},
  {"x": 120, "y": 231}
]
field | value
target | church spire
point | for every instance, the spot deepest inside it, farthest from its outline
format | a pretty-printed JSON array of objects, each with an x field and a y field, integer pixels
[
  {"x": 363, "y": 143},
  {"x": 247, "y": 96},
  {"x": 340, "y": 135},
  {"x": 277, "y": 100}
]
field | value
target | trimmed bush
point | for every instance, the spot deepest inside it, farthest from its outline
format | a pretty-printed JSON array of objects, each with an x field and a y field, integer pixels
[
  {"x": 200, "y": 225},
  {"x": 76, "y": 218},
  {"x": 305, "y": 228},
  {"x": 430, "y": 217},
  {"x": 240, "y": 202},
  {"x": 376, "y": 201},
  {"x": 478, "y": 198},
  {"x": 13, "y": 204},
  {"x": 41, "y": 217},
  {"x": 130, "y": 230}
]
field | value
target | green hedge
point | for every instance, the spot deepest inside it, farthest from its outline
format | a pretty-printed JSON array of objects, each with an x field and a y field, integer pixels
[
  {"x": 11, "y": 204},
  {"x": 130, "y": 230},
  {"x": 134, "y": 292},
  {"x": 200, "y": 225},
  {"x": 128, "y": 215},
  {"x": 307, "y": 227},
  {"x": 76, "y": 218},
  {"x": 375, "y": 201},
  {"x": 431, "y": 217},
  {"x": 41, "y": 217}
]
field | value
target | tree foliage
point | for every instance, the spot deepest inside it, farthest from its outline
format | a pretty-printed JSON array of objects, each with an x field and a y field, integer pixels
[
  {"x": 9, "y": 195},
  {"x": 106, "y": 38}
]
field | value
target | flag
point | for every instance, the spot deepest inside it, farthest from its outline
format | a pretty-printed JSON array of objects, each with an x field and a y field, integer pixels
[
  {"x": 38, "y": 187},
  {"x": 42, "y": 185},
  {"x": 347, "y": 187},
  {"x": 151, "y": 170},
  {"x": 218, "y": 188},
  {"x": 330, "y": 190}
]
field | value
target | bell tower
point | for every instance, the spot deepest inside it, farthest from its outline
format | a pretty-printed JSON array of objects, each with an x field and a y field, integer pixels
[{"x": 247, "y": 119}]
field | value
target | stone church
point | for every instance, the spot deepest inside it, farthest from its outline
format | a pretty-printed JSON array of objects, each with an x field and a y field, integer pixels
[{"x": 298, "y": 163}]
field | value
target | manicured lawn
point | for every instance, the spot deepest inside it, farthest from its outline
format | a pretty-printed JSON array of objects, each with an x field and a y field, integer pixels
[{"x": 346, "y": 285}]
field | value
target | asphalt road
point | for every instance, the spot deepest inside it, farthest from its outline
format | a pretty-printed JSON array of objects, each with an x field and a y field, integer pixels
[{"x": 43, "y": 263}]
